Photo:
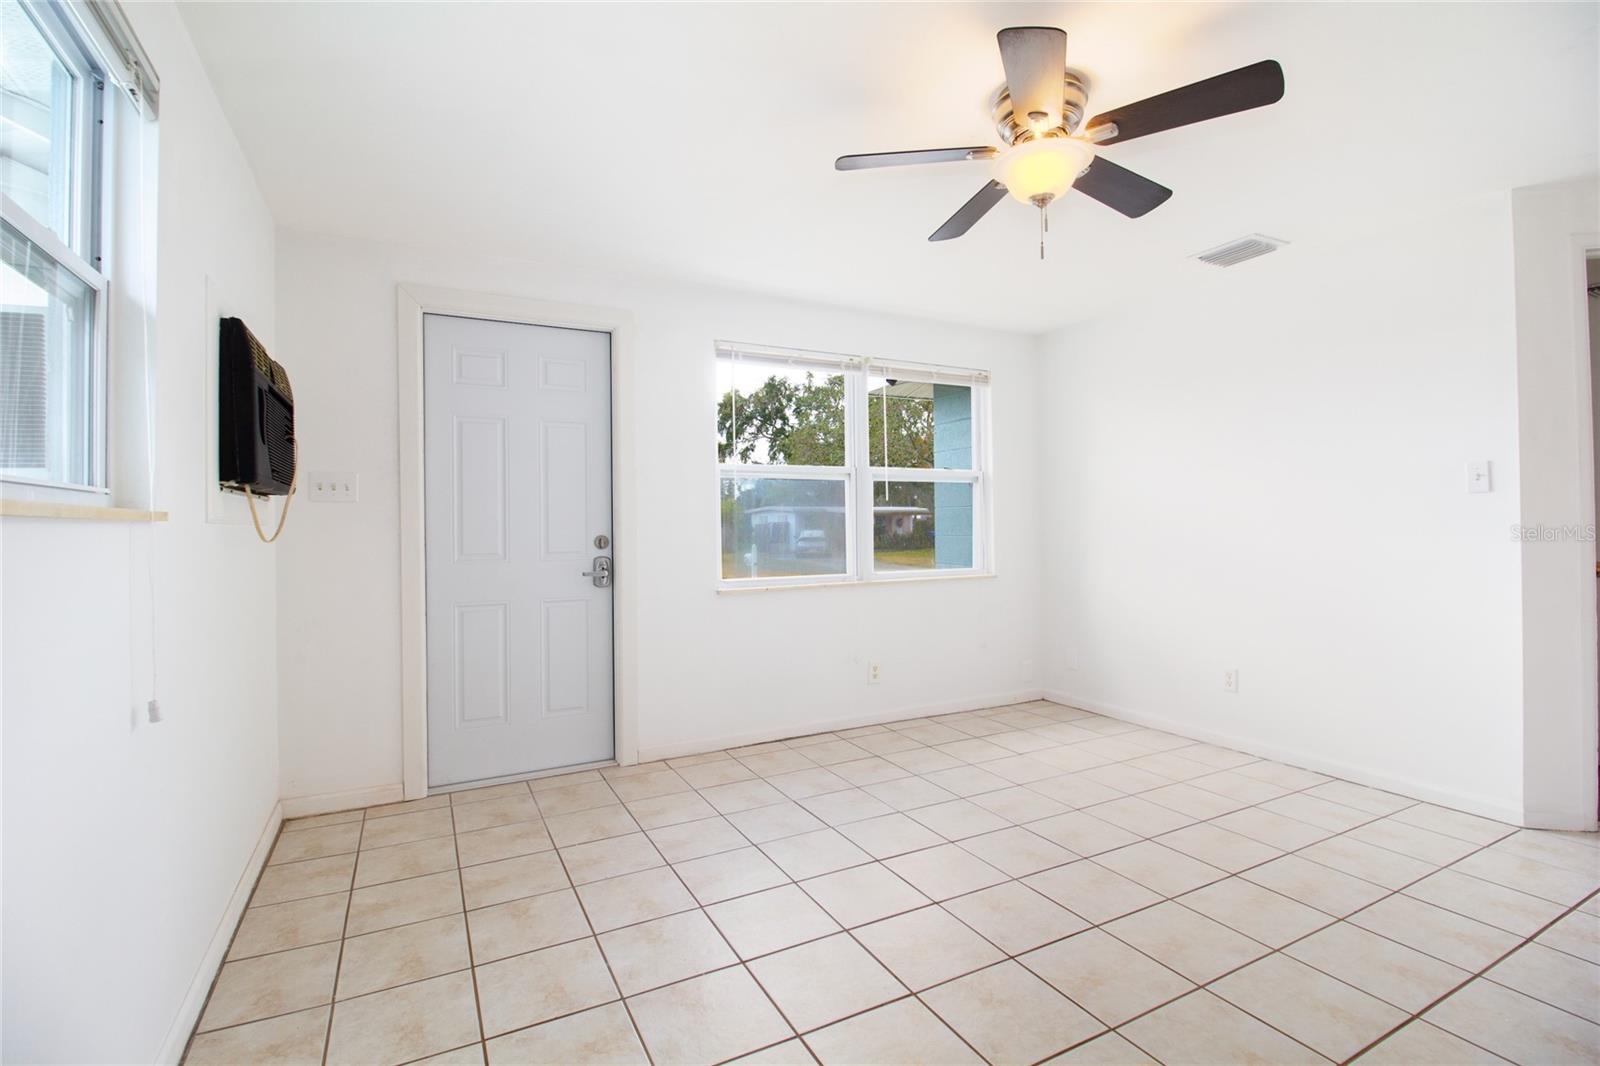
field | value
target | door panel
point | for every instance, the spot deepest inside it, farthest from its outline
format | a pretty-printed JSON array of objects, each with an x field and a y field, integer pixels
[
  {"x": 480, "y": 488},
  {"x": 565, "y": 480},
  {"x": 481, "y": 663},
  {"x": 566, "y": 650},
  {"x": 517, "y": 468}
]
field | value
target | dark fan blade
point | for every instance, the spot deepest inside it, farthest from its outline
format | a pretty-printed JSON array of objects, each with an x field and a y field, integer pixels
[
  {"x": 1120, "y": 188},
  {"x": 970, "y": 212},
  {"x": 1257, "y": 85},
  {"x": 900, "y": 159},
  {"x": 1035, "y": 58}
]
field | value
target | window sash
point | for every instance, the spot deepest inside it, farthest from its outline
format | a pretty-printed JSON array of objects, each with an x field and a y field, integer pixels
[
  {"x": 51, "y": 244},
  {"x": 83, "y": 140},
  {"x": 781, "y": 473},
  {"x": 980, "y": 561},
  {"x": 827, "y": 366},
  {"x": 861, "y": 478},
  {"x": 76, "y": 249},
  {"x": 95, "y": 429},
  {"x": 93, "y": 48}
]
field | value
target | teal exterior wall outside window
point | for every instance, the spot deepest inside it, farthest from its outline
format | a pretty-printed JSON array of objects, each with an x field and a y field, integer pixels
[{"x": 952, "y": 502}]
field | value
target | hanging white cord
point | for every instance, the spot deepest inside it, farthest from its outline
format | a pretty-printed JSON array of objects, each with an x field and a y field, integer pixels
[
  {"x": 146, "y": 269},
  {"x": 283, "y": 515},
  {"x": 886, "y": 461},
  {"x": 885, "y": 428}
]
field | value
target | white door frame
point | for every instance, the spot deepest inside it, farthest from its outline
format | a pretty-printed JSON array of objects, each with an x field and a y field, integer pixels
[{"x": 412, "y": 303}]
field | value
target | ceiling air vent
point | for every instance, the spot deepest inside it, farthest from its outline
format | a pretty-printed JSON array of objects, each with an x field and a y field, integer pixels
[{"x": 1235, "y": 252}]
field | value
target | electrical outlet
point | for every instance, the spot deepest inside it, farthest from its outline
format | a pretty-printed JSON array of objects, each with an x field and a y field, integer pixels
[
  {"x": 333, "y": 486},
  {"x": 1230, "y": 681},
  {"x": 874, "y": 673}
]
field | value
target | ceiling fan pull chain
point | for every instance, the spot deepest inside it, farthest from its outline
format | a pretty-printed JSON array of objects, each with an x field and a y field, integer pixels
[{"x": 1044, "y": 226}]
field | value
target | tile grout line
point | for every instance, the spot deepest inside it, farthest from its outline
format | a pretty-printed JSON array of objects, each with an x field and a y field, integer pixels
[
  {"x": 1100, "y": 927},
  {"x": 1271, "y": 951},
  {"x": 1198, "y": 986},
  {"x": 595, "y": 936},
  {"x": 338, "y": 965},
  {"x": 870, "y": 861},
  {"x": 913, "y": 994},
  {"x": 1375, "y": 817},
  {"x": 752, "y": 843},
  {"x": 1007, "y": 956},
  {"x": 935, "y": 902},
  {"x": 1411, "y": 1016},
  {"x": 466, "y": 934},
  {"x": 739, "y": 960},
  {"x": 743, "y": 963},
  {"x": 908, "y": 775},
  {"x": 1206, "y": 985},
  {"x": 1482, "y": 975}
]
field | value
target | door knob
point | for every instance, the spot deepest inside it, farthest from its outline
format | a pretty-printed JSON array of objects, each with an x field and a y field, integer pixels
[{"x": 601, "y": 572}]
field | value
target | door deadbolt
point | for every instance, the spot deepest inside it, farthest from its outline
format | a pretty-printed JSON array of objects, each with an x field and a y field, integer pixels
[{"x": 602, "y": 542}]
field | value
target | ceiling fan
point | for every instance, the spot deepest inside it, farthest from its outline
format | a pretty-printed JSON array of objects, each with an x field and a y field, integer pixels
[{"x": 1038, "y": 112}]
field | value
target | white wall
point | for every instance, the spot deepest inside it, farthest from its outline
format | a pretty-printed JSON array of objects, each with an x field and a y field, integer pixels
[
  {"x": 712, "y": 669},
  {"x": 124, "y": 841},
  {"x": 1553, "y": 227},
  {"x": 1269, "y": 475}
]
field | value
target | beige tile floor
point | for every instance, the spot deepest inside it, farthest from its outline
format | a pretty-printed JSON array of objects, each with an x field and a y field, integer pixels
[{"x": 1013, "y": 885}]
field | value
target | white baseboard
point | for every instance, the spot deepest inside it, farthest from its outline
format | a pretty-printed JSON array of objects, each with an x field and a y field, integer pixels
[
  {"x": 1563, "y": 820},
  {"x": 328, "y": 802},
  {"x": 178, "y": 1035},
  {"x": 762, "y": 736},
  {"x": 1460, "y": 801}
]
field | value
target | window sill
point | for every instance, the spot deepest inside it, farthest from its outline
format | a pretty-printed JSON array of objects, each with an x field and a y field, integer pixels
[
  {"x": 76, "y": 511},
  {"x": 875, "y": 583}
]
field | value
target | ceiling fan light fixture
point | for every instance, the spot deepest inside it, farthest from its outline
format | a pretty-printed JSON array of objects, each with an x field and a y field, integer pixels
[
  {"x": 1038, "y": 112},
  {"x": 1043, "y": 168}
]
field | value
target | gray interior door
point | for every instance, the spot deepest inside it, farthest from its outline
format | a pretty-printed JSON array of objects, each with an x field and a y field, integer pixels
[{"x": 517, "y": 468}]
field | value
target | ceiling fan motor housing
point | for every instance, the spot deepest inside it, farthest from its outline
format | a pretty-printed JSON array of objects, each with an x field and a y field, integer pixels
[{"x": 1014, "y": 128}]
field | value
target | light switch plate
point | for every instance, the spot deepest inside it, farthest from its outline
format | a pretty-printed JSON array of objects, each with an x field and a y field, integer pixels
[
  {"x": 1478, "y": 479},
  {"x": 332, "y": 486}
]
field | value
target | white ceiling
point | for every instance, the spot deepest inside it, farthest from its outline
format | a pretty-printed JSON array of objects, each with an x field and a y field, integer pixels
[{"x": 697, "y": 141}]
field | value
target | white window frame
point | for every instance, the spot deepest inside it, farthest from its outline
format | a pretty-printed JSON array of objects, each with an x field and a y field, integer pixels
[
  {"x": 80, "y": 253},
  {"x": 859, "y": 477}
]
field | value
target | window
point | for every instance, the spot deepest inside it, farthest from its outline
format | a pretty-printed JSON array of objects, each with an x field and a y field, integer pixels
[
  {"x": 52, "y": 293},
  {"x": 833, "y": 468}
]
